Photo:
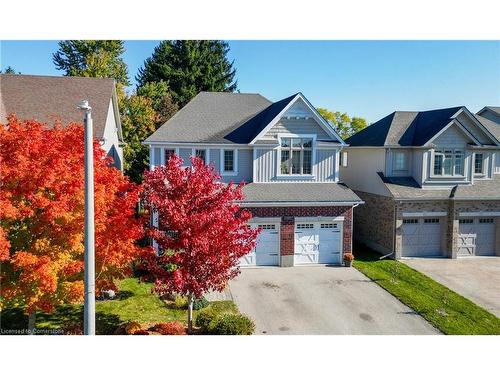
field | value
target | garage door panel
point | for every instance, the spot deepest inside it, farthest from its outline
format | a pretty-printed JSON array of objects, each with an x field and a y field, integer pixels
[
  {"x": 421, "y": 237},
  {"x": 266, "y": 251},
  {"x": 477, "y": 236},
  {"x": 317, "y": 243}
]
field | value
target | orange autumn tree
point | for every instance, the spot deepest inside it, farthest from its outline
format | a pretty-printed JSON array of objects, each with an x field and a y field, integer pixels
[{"x": 41, "y": 217}]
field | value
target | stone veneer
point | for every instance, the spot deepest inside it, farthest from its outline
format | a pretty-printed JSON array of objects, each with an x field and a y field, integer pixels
[
  {"x": 287, "y": 227},
  {"x": 374, "y": 222},
  {"x": 378, "y": 222}
]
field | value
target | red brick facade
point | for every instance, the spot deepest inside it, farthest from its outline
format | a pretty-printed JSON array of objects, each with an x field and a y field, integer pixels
[{"x": 288, "y": 214}]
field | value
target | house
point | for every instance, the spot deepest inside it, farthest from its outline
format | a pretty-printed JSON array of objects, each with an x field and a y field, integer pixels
[
  {"x": 430, "y": 181},
  {"x": 289, "y": 157},
  {"x": 50, "y": 99}
]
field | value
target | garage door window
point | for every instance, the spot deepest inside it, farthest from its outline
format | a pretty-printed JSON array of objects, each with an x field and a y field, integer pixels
[
  {"x": 328, "y": 225},
  {"x": 305, "y": 226},
  {"x": 431, "y": 221},
  {"x": 410, "y": 221},
  {"x": 489, "y": 220},
  {"x": 466, "y": 221},
  {"x": 267, "y": 226}
]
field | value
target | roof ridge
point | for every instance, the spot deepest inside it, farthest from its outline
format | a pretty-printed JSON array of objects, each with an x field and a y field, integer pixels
[{"x": 47, "y": 76}]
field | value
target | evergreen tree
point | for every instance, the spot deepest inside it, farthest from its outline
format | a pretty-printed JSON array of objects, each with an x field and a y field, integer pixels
[
  {"x": 92, "y": 58},
  {"x": 188, "y": 67}
]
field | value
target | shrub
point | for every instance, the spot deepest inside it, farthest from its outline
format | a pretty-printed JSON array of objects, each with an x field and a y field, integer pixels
[
  {"x": 73, "y": 328},
  {"x": 348, "y": 257},
  {"x": 132, "y": 327},
  {"x": 169, "y": 328},
  {"x": 233, "y": 324},
  {"x": 200, "y": 303},
  {"x": 207, "y": 317},
  {"x": 181, "y": 302},
  {"x": 141, "y": 332}
]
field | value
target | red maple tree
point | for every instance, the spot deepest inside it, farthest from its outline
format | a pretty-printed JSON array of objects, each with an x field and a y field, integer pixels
[
  {"x": 41, "y": 216},
  {"x": 201, "y": 229}
]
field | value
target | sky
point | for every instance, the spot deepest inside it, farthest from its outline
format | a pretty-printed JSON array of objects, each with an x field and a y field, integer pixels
[{"x": 368, "y": 79}]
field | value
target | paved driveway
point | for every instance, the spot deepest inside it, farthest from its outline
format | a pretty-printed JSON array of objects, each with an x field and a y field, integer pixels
[
  {"x": 321, "y": 300},
  {"x": 476, "y": 278}
]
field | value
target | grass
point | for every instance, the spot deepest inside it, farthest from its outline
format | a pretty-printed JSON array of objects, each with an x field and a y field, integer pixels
[
  {"x": 446, "y": 310},
  {"x": 134, "y": 302}
]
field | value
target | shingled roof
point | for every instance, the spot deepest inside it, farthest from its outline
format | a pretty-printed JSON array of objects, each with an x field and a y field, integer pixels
[
  {"x": 404, "y": 128},
  {"x": 49, "y": 99}
]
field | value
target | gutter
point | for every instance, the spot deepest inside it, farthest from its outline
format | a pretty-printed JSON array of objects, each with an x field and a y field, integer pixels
[{"x": 300, "y": 204}]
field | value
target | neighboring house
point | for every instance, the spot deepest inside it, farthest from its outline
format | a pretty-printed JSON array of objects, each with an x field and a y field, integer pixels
[
  {"x": 50, "y": 99},
  {"x": 431, "y": 184},
  {"x": 289, "y": 157}
]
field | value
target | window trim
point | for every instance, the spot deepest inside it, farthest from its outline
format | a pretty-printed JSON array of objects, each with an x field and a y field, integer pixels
[
  {"x": 453, "y": 165},
  {"x": 405, "y": 161},
  {"x": 483, "y": 172},
  {"x": 162, "y": 154},
  {"x": 234, "y": 172},
  {"x": 311, "y": 175}
]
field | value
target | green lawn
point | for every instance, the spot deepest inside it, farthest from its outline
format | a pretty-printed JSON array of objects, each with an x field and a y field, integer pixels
[
  {"x": 443, "y": 308},
  {"x": 134, "y": 302}
]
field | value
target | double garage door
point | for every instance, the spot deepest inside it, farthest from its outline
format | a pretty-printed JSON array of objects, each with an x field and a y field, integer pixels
[
  {"x": 477, "y": 236},
  {"x": 314, "y": 243},
  {"x": 421, "y": 237}
]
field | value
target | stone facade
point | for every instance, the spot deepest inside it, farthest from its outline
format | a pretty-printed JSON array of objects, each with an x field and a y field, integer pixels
[
  {"x": 378, "y": 223},
  {"x": 287, "y": 225},
  {"x": 374, "y": 222}
]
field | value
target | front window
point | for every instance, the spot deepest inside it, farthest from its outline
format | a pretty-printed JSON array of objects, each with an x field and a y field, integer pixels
[
  {"x": 168, "y": 154},
  {"x": 202, "y": 154},
  {"x": 296, "y": 156},
  {"x": 478, "y": 164},
  {"x": 228, "y": 160},
  {"x": 449, "y": 162},
  {"x": 400, "y": 161}
]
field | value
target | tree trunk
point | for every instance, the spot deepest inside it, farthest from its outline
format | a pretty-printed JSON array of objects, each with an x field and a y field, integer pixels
[
  {"x": 190, "y": 313},
  {"x": 31, "y": 323}
]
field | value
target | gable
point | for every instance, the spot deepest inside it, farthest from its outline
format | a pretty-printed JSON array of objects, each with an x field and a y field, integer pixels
[
  {"x": 452, "y": 137},
  {"x": 298, "y": 117}
]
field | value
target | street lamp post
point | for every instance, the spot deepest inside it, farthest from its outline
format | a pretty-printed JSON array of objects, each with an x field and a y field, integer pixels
[{"x": 89, "y": 255}]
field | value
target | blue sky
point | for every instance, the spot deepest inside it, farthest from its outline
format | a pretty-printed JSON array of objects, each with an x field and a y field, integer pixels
[{"x": 363, "y": 78}]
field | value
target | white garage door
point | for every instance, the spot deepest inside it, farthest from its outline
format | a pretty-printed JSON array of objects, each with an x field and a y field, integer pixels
[
  {"x": 421, "y": 237},
  {"x": 317, "y": 243},
  {"x": 477, "y": 236},
  {"x": 266, "y": 252}
]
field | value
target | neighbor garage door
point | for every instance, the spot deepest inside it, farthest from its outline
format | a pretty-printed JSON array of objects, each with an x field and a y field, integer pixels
[
  {"x": 477, "y": 236},
  {"x": 266, "y": 252},
  {"x": 318, "y": 243},
  {"x": 421, "y": 237}
]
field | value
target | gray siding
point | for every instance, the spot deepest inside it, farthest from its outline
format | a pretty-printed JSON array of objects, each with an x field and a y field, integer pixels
[
  {"x": 417, "y": 165},
  {"x": 294, "y": 126},
  {"x": 185, "y": 154},
  {"x": 156, "y": 156},
  {"x": 326, "y": 162},
  {"x": 451, "y": 138},
  {"x": 215, "y": 158},
  {"x": 245, "y": 162},
  {"x": 473, "y": 128},
  {"x": 265, "y": 164}
]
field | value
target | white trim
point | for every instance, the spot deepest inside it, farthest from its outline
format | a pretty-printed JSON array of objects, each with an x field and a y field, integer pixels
[
  {"x": 254, "y": 164},
  {"x": 317, "y": 219},
  {"x": 310, "y": 176},
  {"x": 319, "y": 119},
  {"x": 235, "y": 162},
  {"x": 261, "y": 219},
  {"x": 151, "y": 157},
  {"x": 424, "y": 214},
  {"x": 480, "y": 125},
  {"x": 458, "y": 177},
  {"x": 481, "y": 213},
  {"x": 207, "y": 153},
  {"x": 197, "y": 145},
  {"x": 298, "y": 204}
]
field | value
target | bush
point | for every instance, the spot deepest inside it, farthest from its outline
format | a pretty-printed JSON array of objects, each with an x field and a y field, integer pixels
[
  {"x": 181, "y": 302},
  {"x": 200, "y": 303},
  {"x": 132, "y": 327},
  {"x": 207, "y": 317},
  {"x": 141, "y": 332},
  {"x": 73, "y": 328},
  {"x": 169, "y": 328},
  {"x": 233, "y": 324}
]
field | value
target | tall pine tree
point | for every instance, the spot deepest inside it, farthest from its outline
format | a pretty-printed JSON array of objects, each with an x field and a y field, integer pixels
[{"x": 188, "y": 67}]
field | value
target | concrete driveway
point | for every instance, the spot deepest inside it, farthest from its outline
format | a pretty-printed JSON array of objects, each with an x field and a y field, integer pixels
[
  {"x": 321, "y": 300},
  {"x": 476, "y": 278}
]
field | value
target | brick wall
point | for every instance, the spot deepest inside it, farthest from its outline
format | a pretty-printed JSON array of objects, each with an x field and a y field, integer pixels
[{"x": 288, "y": 215}]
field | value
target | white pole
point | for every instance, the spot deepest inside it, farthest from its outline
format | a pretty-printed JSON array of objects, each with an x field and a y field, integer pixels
[{"x": 89, "y": 255}]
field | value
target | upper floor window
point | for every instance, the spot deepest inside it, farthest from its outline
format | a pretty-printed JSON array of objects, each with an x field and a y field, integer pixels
[
  {"x": 449, "y": 163},
  {"x": 202, "y": 154},
  {"x": 400, "y": 161},
  {"x": 479, "y": 164},
  {"x": 296, "y": 156},
  {"x": 229, "y": 162}
]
